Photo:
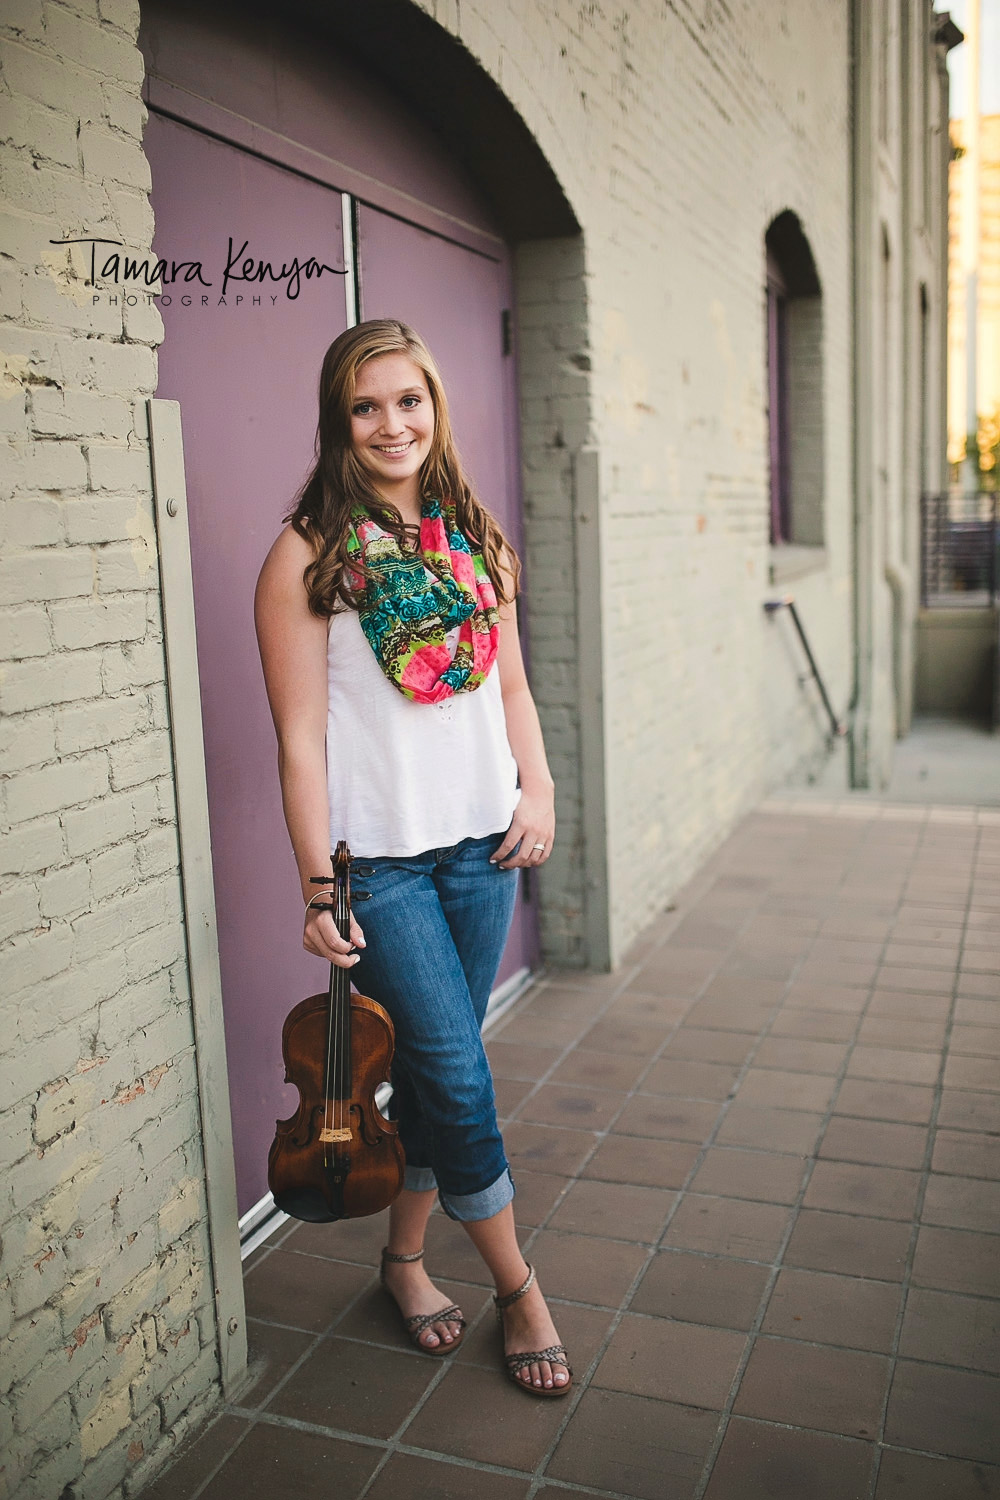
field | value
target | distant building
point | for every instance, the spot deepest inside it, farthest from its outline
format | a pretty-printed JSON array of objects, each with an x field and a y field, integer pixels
[{"x": 988, "y": 311}]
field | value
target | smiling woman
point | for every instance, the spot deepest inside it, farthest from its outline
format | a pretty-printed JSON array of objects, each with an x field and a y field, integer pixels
[{"x": 406, "y": 726}]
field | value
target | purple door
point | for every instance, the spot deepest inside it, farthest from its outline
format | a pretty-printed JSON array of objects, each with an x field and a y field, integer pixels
[
  {"x": 246, "y": 374},
  {"x": 456, "y": 299},
  {"x": 246, "y": 378}
]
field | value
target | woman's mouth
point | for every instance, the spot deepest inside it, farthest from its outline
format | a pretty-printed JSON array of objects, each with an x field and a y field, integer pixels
[{"x": 393, "y": 450}]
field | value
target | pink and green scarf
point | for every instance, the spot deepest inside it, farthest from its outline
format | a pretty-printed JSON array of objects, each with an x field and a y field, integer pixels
[{"x": 412, "y": 600}]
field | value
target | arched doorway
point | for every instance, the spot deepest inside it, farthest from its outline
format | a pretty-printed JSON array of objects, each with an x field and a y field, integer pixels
[{"x": 265, "y": 148}]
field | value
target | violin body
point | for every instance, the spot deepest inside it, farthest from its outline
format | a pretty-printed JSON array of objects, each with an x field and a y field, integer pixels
[
  {"x": 366, "y": 1173},
  {"x": 337, "y": 1156}
]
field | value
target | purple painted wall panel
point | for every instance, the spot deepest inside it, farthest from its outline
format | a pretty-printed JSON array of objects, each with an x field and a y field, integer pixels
[
  {"x": 454, "y": 298},
  {"x": 270, "y": 71},
  {"x": 246, "y": 379}
]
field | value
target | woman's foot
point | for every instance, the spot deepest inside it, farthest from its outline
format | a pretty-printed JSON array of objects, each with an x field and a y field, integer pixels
[
  {"x": 528, "y": 1328},
  {"x": 417, "y": 1297}
]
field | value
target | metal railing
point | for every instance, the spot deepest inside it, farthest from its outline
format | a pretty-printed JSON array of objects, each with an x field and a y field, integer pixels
[
  {"x": 959, "y": 545},
  {"x": 771, "y": 606}
]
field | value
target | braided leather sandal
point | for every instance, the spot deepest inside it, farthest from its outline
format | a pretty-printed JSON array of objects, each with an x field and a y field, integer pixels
[
  {"x": 555, "y": 1354},
  {"x": 418, "y": 1324}
]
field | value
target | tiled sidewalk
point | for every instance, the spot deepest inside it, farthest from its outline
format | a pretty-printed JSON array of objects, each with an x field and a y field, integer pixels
[{"x": 758, "y": 1173}]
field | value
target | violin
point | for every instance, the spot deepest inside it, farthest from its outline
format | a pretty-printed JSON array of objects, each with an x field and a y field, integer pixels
[{"x": 337, "y": 1156}]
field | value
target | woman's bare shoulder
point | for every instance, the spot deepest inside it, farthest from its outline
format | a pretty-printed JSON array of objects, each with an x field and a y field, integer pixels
[
  {"x": 281, "y": 585},
  {"x": 290, "y": 555},
  {"x": 290, "y": 549}
]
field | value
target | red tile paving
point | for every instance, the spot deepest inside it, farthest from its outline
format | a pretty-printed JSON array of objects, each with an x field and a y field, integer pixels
[{"x": 758, "y": 1171}]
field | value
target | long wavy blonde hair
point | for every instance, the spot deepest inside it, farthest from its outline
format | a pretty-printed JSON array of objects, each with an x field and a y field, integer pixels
[{"x": 339, "y": 481}]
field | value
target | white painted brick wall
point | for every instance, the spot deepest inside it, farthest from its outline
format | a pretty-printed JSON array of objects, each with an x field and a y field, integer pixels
[{"x": 105, "y": 1293}]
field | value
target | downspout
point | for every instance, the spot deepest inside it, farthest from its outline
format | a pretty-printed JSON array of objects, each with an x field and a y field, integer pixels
[
  {"x": 592, "y": 614},
  {"x": 855, "y": 757},
  {"x": 945, "y": 35},
  {"x": 897, "y": 568}
]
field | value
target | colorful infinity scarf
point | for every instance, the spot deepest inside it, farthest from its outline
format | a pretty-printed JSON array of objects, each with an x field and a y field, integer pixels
[{"x": 412, "y": 601}]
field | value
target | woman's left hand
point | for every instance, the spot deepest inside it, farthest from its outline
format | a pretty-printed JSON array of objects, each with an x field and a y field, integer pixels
[{"x": 531, "y": 832}]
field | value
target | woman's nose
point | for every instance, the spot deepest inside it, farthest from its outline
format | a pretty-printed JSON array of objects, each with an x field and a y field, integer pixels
[{"x": 392, "y": 424}]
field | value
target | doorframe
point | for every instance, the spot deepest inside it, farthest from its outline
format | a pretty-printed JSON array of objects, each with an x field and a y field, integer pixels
[{"x": 187, "y": 743}]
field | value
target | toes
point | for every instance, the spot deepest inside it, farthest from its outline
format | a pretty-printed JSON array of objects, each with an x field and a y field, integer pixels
[
  {"x": 543, "y": 1375},
  {"x": 439, "y": 1333}
]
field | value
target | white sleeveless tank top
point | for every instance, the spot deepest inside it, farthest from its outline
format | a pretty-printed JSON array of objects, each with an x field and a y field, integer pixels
[{"x": 405, "y": 777}]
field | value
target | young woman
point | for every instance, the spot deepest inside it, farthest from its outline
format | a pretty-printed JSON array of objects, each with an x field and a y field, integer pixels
[{"x": 385, "y": 616}]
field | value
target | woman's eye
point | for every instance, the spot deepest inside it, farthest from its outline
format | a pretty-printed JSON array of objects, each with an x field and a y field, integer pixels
[
  {"x": 410, "y": 401},
  {"x": 363, "y": 409}
]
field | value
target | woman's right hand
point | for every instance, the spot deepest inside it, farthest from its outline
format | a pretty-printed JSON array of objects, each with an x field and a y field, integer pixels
[{"x": 322, "y": 938}]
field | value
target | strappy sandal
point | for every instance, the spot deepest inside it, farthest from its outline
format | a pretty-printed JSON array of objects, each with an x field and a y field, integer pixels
[
  {"x": 555, "y": 1354},
  {"x": 420, "y": 1322}
]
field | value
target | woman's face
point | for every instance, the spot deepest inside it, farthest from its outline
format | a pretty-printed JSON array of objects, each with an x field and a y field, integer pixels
[{"x": 392, "y": 424}]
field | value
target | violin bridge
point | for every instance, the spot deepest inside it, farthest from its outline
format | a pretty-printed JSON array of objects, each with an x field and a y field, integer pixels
[{"x": 328, "y": 1135}]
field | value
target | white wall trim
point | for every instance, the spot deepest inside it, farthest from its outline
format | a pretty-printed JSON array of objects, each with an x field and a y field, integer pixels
[
  {"x": 188, "y": 748},
  {"x": 351, "y": 288}
]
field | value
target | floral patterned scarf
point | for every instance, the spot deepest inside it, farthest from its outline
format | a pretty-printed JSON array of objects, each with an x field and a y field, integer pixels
[{"x": 413, "y": 600}]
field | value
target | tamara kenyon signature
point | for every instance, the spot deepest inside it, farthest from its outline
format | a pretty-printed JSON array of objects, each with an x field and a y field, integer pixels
[{"x": 125, "y": 270}]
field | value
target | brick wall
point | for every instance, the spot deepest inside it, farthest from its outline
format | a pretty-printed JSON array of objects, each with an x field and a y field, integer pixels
[
  {"x": 105, "y": 1299},
  {"x": 552, "y": 342}
]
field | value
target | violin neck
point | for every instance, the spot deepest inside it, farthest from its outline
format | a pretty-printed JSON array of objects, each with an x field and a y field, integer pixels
[{"x": 338, "y": 1058}]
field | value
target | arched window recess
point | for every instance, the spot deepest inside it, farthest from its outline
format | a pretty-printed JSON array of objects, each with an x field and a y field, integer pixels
[{"x": 795, "y": 405}]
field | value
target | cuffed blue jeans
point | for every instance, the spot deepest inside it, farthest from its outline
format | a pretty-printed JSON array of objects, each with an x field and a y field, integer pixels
[{"x": 435, "y": 925}]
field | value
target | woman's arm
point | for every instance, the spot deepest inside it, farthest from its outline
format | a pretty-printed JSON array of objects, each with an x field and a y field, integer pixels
[
  {"x": 534, "y": 820},
  {"x": 293, "y": 644}
]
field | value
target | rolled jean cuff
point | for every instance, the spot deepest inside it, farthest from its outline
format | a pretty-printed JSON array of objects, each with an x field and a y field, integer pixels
[
  {"x": 419, "y": 1179},
  {"x": 469, "y": 1207}
]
